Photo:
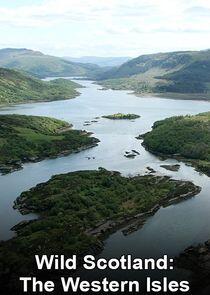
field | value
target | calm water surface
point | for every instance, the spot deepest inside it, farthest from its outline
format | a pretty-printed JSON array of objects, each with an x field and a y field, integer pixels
[{"x": 171, "y": 229}]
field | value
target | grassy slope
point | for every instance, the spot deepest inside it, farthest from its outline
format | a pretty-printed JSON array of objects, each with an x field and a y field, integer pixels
[
  {"x": 72, "y": 203},
  {"x": 23, "y": 138},
  {"x": 16, "y": 87},
  {"x": 41, "y": 65},
  {"x": 176, "y": 72},
  {"x": 187, "y": 136}
]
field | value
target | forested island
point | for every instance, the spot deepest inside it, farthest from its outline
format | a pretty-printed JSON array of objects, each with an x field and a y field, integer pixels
[
  {"x": 185, "y": 137},
  {"x": 32, "y": 138},
  {"x": 120, "y": 116},
  {"x": 18, "y": 87},
  {"x": 77, "y": 209}
]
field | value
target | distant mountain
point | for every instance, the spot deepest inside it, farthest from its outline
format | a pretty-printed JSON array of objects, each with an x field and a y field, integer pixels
[
  {"x": 41, "y": 65},
  {"x": 100, "y": 61},
  {"x": 175, "y": 72},
  {"x": 16, "y": 87}
]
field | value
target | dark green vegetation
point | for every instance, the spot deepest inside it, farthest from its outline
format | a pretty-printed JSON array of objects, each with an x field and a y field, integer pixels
[
  {"x": 31, "y": 138},
  {"x": 174, "y": 72},
  {"x": 120, "y": 116},
  {"x": 41, "y": 65},
  {"x": 72, "y": 205},
  {"x": 16, "y": 87},
  {"x": 182, "y": 136},
  {"x": 197, "y": 260}
]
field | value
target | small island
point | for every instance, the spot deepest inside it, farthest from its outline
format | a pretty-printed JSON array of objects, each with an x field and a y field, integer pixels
[
  {"x": 182, "y": 137},
  {"x": 120, "y": 116},
  {"x": 131, "y": 154},
  {"x": 32, "y": 138},
  {"x": 173, "y": 168},
  {"x": 77, "y": 210}
]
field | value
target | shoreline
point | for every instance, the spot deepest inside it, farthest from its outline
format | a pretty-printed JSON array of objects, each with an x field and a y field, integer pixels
[
  {"x": 191, "y": 162},
  {"x": 127, "y": 223},
  {"x": 77, "y": 93},
  {"x": 13, "y": 104},
  {"x": 7, "y": 169},
  {"x": 175, "y": 96},
  {"x": 165, "y": 95},
  {"x": 111, "y": 226}
]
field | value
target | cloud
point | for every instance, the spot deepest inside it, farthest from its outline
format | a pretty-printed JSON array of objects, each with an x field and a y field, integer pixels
[
  {"x": 51, "y": 12},
  {"x": 110, "y": 26},
  {"x": 150, "y": 13}
]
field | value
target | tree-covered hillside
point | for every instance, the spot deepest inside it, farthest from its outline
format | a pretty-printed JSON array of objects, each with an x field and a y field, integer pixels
[
  {"x": 175, "y": 72},
  {"x": 144, "y": 63},
  {"x": 16, "y": 87},
  {"x": 185, "y": 136}
]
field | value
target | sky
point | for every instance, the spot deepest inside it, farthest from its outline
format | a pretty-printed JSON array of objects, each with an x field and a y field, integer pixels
[{"x": 105, "y": 27}]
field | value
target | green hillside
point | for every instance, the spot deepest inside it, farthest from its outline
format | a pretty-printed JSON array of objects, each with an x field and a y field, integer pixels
[
  {"x": 16, "y": 87},
  {"x": 31, "y": 138},
  {"x": 174, "y": 72},
  {"x": 41, "y": 65},
  {"x": 183, "y": 136}
]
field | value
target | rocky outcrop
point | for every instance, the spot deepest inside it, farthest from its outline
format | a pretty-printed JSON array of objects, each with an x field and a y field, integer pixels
[
  {"x": 131, "y": 154},
  {"x": 151, "y": 170},
  {"x": 174, "y": 168}
]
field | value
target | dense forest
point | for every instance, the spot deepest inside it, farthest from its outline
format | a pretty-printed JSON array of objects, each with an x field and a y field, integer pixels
[{"x": 185, "y": 136}]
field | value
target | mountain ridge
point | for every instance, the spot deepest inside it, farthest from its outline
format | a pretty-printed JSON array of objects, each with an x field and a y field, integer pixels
[
  {"x": 175, "y": 72},
  {"x": 42, "y": 65},
  {"x": 101, "y": 61}
]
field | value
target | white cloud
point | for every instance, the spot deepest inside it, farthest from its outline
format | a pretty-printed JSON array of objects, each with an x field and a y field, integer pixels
[{"x": 113, "y": 25}]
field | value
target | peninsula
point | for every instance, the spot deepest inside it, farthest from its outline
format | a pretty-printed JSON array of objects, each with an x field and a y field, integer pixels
[
  {"x": 182, "y": 137},
  {"x": 18, "y": 87},
  {"x": 31, "y": 138}
]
